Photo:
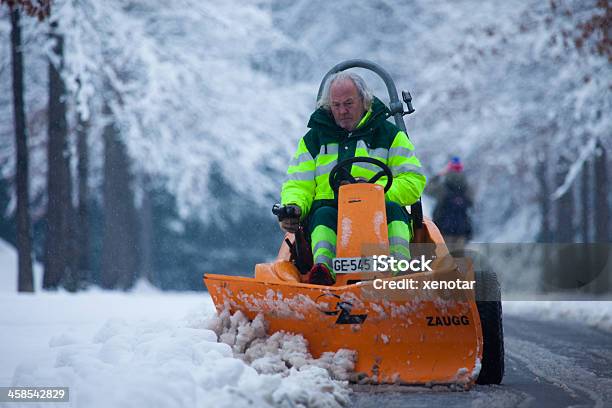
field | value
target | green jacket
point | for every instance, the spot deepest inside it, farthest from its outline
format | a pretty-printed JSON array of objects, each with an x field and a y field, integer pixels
[{"x": 326, "y": 144}]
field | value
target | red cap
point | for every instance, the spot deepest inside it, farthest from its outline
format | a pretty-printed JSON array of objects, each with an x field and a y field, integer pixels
[{"x": 455, "y": 166}]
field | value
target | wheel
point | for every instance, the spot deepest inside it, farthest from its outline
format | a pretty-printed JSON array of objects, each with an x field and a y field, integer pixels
[{"x": 488, "y": 302}]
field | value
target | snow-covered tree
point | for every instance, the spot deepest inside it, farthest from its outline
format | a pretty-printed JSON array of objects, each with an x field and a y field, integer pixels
[{"x": 209, "y": 99}]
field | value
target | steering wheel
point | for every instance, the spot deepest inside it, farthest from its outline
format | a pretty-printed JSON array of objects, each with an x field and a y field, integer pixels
[{"x": 341, "y": 172}]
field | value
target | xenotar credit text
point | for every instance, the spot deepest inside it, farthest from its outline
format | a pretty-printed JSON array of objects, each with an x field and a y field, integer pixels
[{"x": 414, "y": 284}]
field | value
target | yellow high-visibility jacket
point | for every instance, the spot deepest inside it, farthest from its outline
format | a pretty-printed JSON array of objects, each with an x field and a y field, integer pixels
[{"x": 327, "y": 144}]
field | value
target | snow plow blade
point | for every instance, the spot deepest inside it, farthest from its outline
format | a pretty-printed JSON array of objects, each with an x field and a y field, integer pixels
[{"x": 405, "y": 337}]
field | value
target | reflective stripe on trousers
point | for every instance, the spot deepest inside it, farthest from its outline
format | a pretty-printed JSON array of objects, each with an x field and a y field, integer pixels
[{"x": 324, "y": 222}]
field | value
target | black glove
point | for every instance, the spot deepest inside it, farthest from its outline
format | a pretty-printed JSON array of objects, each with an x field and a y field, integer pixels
[
  {"x": 319, "y": 274},
  {"x": 291, "y": 223}
]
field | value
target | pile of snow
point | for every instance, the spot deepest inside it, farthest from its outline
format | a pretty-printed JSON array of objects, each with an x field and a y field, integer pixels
[
  {"x": 302, "y": 379},
  {"x": 280, "y": 353},
  {"x": 596, "y": 314},
  {"x": 156, "y": 349}
]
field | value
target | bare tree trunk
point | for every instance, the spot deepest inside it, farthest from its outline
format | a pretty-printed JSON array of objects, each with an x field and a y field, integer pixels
[
  {"x": 59, "y": 250},
  {"x": 585, "y": 204},
  {"x": 544, "y": 199},
  {"x": 548, "y": 259},
  {"x": 602, "y": 208},
  {"x": 83, "y": 228},
  {"x": 584, "y": 249},
  {"x": 564, "y": 231},
  {"x": 24, "y": 237},
  {"x": 602, "y": 253},
  {"x": 119, "y": 247},
  {"x": 567, "y": 262},
  {"x": 146, "y": 236}
]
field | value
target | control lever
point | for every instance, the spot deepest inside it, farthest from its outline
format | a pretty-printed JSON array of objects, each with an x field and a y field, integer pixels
[{"x": 408, "y": 101}]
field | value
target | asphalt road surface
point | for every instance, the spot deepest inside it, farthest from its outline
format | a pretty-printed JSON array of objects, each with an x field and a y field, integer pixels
[{"x": 548, "y": 364}]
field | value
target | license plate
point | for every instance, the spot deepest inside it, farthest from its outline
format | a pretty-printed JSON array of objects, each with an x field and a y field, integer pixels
[{"x": 352, "y": 265}]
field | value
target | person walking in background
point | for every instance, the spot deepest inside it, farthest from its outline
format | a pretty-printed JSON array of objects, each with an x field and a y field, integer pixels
[{"x": 454, "y": 200}]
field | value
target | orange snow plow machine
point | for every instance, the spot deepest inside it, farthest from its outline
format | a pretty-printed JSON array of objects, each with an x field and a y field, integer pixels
[{"x": 422, "y": 328}]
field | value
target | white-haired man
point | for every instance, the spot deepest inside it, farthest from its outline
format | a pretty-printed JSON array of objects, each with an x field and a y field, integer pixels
[{"x": 349, "y": 122}]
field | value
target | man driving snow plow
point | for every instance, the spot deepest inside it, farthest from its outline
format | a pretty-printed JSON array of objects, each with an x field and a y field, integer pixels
[
  {"x": 349, "y": 122},
  {"x": 348, "y": 185}
]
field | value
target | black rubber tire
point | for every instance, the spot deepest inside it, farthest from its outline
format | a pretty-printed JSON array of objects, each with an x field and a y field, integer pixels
[{"x": 488, "y": 302}]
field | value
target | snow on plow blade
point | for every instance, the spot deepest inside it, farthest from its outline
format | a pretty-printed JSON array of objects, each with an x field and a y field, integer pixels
[{"x": 400, "y": 336}]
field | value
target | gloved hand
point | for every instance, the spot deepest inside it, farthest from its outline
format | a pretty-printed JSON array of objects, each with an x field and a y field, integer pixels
[
  {"x": 319, "y": 274},
  {"x": 291, "y": 224}
]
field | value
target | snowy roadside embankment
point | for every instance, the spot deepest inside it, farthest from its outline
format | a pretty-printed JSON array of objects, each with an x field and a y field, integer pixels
[
  {"x": 157, "y": 349},
  {"x": 153, "y": 348},
  {"x": 596, "y": 314}
]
